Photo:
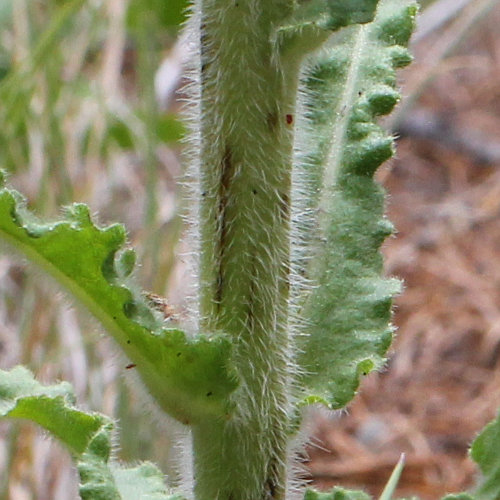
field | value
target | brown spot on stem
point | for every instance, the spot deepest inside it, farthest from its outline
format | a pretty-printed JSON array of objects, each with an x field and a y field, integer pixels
[
  {"x": 204, "y": 55},
  {"x": 271, "y": 487},
  {"x": 131, "y": 365},
  {"x": 289, "y": 119},
  {"x": 284, "y": 212},
  {"x": 227, "y": 170},
  {"x": 274, "y": 490},
  {"x": 272, "y": 120}
]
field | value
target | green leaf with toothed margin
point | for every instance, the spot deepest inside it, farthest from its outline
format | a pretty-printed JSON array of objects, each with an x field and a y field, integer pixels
[
  {"x": 347, "y": 314},
  {"x": 334, "y": 14},
  {"x": 86, "y": 435},
  {"x": 189, "y": 378},
  {"x": 312, "y": 22}
]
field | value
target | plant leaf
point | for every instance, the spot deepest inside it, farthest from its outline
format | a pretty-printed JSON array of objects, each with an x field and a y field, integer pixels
[
  {"x": 392, "y": 484},
  {"x": 459, "y": 496},
  {"x": 144, "y": 482},
  {"x": 86, "y": 435},
  {"x": 485, "y": 451},
  {"x": 336, "y": 494},
  {"x": 21, "y": 396},
  {"x": 332, "y": 14},
  {"x": 348, "y": 311},
  {"x": 313, "y": 21},
  {"x": 189, "y": 377}
]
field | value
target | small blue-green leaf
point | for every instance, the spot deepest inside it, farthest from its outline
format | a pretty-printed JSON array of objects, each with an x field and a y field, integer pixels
[
  {"x": 144, "y": 482},
  {"x": 336, "y": 494},
  {"x": 86, "y": 435},
  {"x": 21, "y": 396},
  {"x": 485, "y": 451}
]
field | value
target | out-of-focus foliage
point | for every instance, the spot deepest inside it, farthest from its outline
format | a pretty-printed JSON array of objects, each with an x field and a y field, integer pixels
[
  {"x": 79, "y": 121},
  {"x": 64, "y": 69},
  {"x": 170, "y": 14}
]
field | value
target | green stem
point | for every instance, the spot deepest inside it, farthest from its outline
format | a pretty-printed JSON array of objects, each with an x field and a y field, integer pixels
[{"x": 247, "y": 108}]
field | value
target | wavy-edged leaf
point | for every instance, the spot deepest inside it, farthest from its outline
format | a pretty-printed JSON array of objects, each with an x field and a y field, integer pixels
[
  {"x": 190, "y": 378},
  {"x": 312, "y": 22},
  {"x": 347, "y": 314},
  {"x": 336, "y": 494},
  {"x": 86, "y": 435},
  {"x": 21, "y": 396},
  {"x": 332, "y": 14}
]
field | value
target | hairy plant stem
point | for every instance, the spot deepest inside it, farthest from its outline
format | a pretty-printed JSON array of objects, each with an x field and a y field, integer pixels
[{"x": 247, "y": 111}]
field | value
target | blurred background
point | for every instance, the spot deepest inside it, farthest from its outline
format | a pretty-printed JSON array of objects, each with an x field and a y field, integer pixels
[{"x": 89, "y": 113}]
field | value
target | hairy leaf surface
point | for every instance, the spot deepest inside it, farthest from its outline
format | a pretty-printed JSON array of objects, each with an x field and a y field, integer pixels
[
  {"x": 347, "y": 314},
  {"x": 188, "y": 377},
  {"x": 336, "y": 494},
  {"x": 331, "y": 14},
  {"x": 86, "y": 435},
  {"x": 312, "y": 22}
]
